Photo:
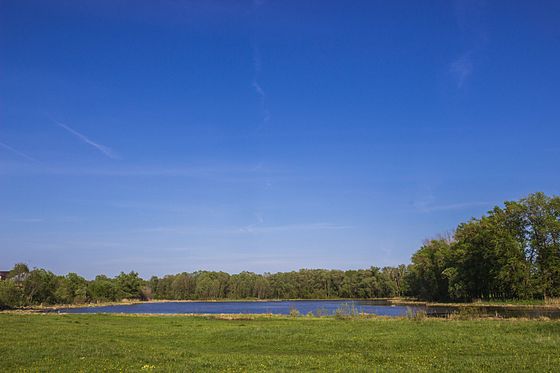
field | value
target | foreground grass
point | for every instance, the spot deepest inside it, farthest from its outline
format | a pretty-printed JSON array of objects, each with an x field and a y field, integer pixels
[{"x": 165, "y": 343}]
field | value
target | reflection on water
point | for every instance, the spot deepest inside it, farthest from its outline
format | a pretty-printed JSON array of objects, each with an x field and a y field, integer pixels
[{"x": 317, "y": 307}]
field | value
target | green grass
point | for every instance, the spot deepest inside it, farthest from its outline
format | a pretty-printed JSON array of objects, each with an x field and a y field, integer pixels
[{"x": 167, "y": 343}]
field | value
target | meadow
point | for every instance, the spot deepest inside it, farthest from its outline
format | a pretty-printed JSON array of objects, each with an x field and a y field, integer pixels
[{"x": 48, "y": 342}]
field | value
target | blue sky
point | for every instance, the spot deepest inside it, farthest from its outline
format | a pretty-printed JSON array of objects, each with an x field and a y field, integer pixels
[{"x": 175, "y": 136}]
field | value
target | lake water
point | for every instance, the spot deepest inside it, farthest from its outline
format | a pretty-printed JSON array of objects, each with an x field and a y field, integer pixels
[
  {"x": 323, "y": 307},
  {"x": 317, "y": 307}
]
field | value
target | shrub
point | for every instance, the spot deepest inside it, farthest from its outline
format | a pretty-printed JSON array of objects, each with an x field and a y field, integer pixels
[
  {"x": 552, "y": 301},
  {"x": 321, "y": 312},
  {"x": 11, "y": 295},
  {"x": 468, "y": 313},
  {"x": 346, "y": 311},
  {"x": 416, "y": 315}
]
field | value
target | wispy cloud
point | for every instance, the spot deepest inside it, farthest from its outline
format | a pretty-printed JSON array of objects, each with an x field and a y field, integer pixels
[
  {"x": 294, "y": 227},
  {"x": 229, "y": 173},
  {"x": 256, "y": 228},
  {"x": 251, "y": 227},
  {"x": 462, "y": 68},
  {"x": 26, "y": 220},
  {"x": 469, "y": 19},
  {"x": 457, "y": 206},
  {"x": 105, "y": 150},
  {"x": 17, "y": 152},
  {"x": 259, "y": 90},
  {"x": 180, "y": 259},
  {"x": 429, "y": 206},
  {"x": 257, "y": 85},
  {"x": 427, "y": 202},
  {"x": 257, "y": 66},
  {"x": 259, "y": 226}
]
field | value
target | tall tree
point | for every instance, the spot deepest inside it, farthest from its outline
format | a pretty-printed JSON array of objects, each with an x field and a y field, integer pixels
[{"x": 426, "y": 276}]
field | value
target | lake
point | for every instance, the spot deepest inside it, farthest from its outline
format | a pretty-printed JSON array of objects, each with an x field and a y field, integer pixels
[
  {"x": 317, "y": 307},
  {"x": 323, "y": 307}
]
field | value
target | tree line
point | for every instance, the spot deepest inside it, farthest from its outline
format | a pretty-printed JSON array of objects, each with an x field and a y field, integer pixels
[
  {"x": 513, "y": 252},
  {"x": 303, "y": 284},
  {"x": 26, "y": 287}
]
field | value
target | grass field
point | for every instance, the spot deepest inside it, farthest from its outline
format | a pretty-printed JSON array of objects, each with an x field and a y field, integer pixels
[{"x": 167, "y": 343}]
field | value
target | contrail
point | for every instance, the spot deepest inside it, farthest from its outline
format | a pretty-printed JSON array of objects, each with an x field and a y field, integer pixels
[
  {"x": 257, "y": 86},
  {"x": 257, "y": 70},
  {"x": 17, "y": 152},
  {"x": 102, "y": 148}
]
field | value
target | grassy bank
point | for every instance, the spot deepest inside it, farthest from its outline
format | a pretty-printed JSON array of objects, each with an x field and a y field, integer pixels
[{"x": 143, "y": 343}]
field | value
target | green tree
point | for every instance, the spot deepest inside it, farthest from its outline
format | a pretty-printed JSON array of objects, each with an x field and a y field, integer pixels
[
  {"x": 11, "y": 294},
  {"x": 39, "y": 287},
  {"x": 543, "y": 231},
  {"x": 211, "y": 285},
  {"x": 102, "y": 289},
  {"x": 72, "y": 289},
  {"x": 19, "y": 272},
  {"x": 396, "y": 277},
  {"x": 129, "y": 285},
  {"x": 426, "y": 278}
]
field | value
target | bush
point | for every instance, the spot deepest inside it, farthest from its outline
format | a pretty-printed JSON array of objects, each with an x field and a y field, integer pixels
[
  {"x": 416, "y": 316},
  {"x": 552, "y": 301},
  {"x": 11, "y": 295},
  {"x": 468, "y": 313},
  {"x": 321, "y": 312}
]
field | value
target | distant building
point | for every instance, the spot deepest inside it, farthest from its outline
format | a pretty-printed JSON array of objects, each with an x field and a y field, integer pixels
[{"x": 4, "y": 275}]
